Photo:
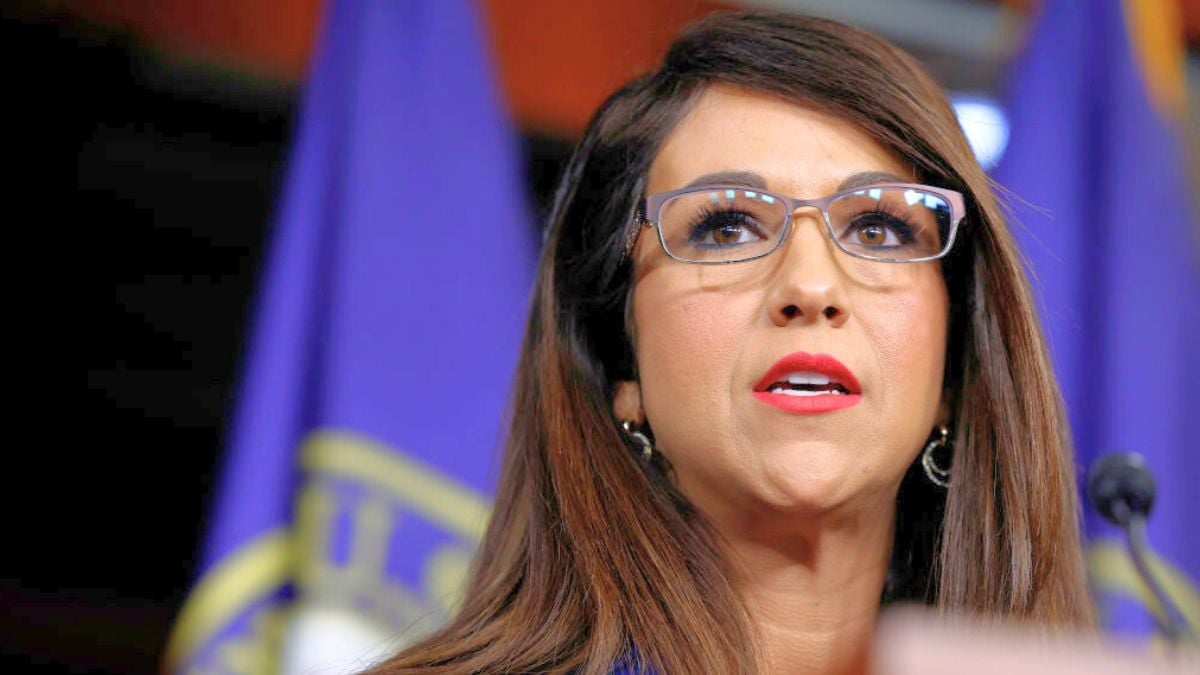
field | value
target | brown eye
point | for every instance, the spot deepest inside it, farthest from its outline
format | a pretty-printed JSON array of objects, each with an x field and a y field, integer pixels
[
  {"x": 725, "y": 229},
  {"x": 872, "y": 235},
  {"x": 727, "y": 234}
]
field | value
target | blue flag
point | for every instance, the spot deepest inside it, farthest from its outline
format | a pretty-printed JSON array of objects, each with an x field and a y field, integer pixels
[
  {"x": 1104, "y": 214},
  {"x": 355, "y": 482}
]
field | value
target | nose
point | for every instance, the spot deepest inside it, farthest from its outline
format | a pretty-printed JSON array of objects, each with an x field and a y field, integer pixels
[{"x": 808, "y": 283}]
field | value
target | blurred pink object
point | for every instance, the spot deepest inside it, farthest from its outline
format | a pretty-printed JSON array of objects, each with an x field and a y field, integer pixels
[{"x": 911, "y": 641}]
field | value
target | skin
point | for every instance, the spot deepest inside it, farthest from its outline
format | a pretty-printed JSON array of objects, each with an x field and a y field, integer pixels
[{"x": 805, "y": 503}]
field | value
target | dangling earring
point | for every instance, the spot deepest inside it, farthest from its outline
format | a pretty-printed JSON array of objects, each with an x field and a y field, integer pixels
[
  {"x": 936, "y": 474},
  {"x": 640, "y": 439}
]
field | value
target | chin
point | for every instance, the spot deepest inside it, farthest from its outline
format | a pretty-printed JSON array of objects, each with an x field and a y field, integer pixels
[{"x": 813, "y": 481}]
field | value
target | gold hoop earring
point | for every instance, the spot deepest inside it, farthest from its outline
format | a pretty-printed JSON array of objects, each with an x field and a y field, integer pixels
[
  {"x": 936, "y": 474},
  {"x": 640, "y": 439}
]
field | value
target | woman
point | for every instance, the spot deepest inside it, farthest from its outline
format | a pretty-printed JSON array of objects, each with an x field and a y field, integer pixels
[{"x": 777, "y": 301}]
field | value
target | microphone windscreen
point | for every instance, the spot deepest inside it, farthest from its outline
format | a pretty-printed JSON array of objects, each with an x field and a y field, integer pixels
[{"x": 1119, "y": 485}]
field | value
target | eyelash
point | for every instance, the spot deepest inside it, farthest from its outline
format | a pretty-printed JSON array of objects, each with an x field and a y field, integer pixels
[
  {"x": 701, "y": 226},
  {"x": 896, "y": 221}
]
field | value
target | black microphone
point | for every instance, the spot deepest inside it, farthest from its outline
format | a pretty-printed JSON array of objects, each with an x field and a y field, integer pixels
[{"x": 1121, "y": 488}]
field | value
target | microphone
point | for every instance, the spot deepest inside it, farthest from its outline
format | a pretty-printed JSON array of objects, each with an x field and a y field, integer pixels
[{"x": 1121, "y": 488}]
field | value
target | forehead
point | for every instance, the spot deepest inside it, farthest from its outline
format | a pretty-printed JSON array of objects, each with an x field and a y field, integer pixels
[{"x": 800, "y": 151}]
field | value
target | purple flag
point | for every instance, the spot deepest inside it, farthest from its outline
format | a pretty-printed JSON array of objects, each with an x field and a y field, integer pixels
[
  {"x": 1108, "y": 226},
  {"x": 387, "y": 329}
]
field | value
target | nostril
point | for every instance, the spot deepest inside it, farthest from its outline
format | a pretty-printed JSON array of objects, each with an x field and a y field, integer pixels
[
  {"x": 791, "y": 311},
  {"x": 830, "y": 312}
]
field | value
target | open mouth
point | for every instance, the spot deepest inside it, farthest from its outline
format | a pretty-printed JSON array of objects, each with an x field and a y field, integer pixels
[{"x": 807, "y": 384}]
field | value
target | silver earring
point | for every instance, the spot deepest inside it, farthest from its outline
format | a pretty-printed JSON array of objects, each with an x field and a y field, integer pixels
[
  {"x": 936, "y": 474},
  {"x": 640, "y": 439}
]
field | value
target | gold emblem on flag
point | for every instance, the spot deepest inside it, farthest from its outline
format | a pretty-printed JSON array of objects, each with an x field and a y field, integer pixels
[{"x": 358, "y": 503}]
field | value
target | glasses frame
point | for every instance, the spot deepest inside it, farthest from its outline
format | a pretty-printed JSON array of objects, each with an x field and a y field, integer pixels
[{"x": 652, "y": 210}]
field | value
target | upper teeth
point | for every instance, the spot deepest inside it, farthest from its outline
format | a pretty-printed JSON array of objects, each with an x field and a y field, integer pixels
[{"x": 806, "y": 378}]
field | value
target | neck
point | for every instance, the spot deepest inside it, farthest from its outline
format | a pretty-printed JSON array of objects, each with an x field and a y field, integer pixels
[{"x": 812, "y": 586}]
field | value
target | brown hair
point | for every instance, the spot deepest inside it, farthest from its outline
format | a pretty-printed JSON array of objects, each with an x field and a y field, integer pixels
[{"x": 591, "y": 557}]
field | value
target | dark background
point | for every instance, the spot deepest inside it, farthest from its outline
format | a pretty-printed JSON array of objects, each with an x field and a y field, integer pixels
[{"x": 139, "y": 196}]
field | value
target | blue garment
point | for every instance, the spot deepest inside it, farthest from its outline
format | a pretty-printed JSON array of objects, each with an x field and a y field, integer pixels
[{"x": 629, "y": 665}]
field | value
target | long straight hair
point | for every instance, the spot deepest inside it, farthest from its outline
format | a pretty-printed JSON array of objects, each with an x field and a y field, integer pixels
[{"x": 591, "y": 558}]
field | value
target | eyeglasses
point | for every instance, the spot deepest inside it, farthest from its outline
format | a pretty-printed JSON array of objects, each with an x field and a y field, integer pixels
[{"x": 886, "y": 222}]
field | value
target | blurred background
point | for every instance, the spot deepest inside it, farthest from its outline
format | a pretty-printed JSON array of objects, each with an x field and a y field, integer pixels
[{"x": 145, "y": 144}]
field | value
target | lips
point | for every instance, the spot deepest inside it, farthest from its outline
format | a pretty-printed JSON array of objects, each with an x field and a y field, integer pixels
[{"x": 808, "y": 383}]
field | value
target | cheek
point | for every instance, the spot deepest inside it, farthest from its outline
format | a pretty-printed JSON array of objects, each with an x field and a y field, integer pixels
[
  {"x": 687, "y": 343},
  {"x": 908, "y": 330}
]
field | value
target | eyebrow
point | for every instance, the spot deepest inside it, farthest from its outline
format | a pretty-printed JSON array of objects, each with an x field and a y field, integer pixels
[
  {"x": 870, "y": 178},
  {"x": 746, "y": 178},
  {"x": 751, "y": 179}
]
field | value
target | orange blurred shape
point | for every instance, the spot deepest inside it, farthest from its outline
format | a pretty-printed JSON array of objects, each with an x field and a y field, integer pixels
[
  {"x": 559, "y": 60},
  {"x": 272, "y": 37}
]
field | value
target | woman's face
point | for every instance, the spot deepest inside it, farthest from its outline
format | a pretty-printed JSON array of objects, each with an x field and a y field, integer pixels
[{"x": 706, "y": 336}]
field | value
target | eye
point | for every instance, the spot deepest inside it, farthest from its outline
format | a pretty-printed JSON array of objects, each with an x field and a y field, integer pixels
[
  {"x": 723, "y": 228},
  {"x": 875, "y": 234},
  {"x": 880, "y": 230}
]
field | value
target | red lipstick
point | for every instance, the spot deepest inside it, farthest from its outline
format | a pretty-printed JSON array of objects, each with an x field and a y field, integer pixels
[{"x": 841, "y": 391}]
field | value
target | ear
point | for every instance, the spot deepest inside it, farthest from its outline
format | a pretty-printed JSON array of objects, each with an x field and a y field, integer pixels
[
  {"x": 943, "y": 411},
  {"x": 627, "y": 402}
]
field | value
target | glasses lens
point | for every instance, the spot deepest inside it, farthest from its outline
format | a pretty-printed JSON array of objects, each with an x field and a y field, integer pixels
[
  {"x": 891, "y": 223},
  {"x": 721, "y": 225}
]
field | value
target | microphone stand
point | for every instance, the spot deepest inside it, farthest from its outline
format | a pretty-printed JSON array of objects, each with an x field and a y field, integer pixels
[
  {"x": 1122, "y": 490},
  {"x": 1170, "y": 622}
]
